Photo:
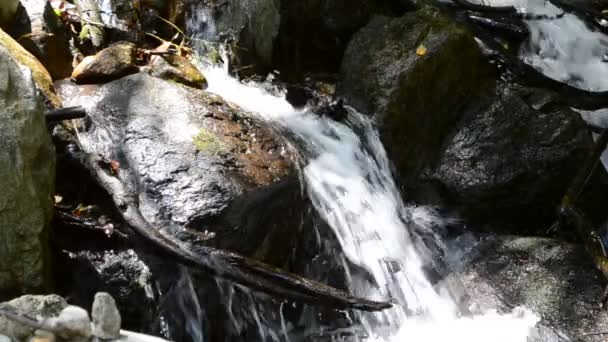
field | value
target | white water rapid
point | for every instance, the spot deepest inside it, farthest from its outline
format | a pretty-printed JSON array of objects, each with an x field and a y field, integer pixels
[{"x": 348, "y": 178}]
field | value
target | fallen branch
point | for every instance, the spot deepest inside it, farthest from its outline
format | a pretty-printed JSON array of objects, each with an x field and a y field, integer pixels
[
  {"x": 216, "y": 262},
  {"x": 65, "y": 114}
]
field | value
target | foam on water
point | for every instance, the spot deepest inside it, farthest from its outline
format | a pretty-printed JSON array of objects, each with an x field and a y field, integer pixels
[{"x": 348, "y": 178}]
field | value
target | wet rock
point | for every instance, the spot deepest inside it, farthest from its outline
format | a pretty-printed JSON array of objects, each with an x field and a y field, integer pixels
[
  {"x": 27, "y": 175},
  {"x": 398, "y": 69},
  {"x": 505, "y": 156},
  {"x": 556, "y": 280},
  {"x": 109, "y": 64},
  {"x": 177, "y": 69},
  {"x": 47, "y": 38},
  {"x": 203, "y": 167},
  {"x": 33, "y": 306},
  {"x": 72, "y": 322},
  {"x": 41, "y": 76},
  {"x": 106, "y": 317}
]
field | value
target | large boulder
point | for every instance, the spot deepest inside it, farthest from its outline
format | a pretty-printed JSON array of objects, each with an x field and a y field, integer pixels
[
  {"x": 490, "y": 149},
  {"x": 208, "y": 174},
  {"x": 27, "y": 177},
  {"x": 203, "y": 167},
  {"x": 41, "y": 76},
  {"x": 415, "y": 73},
  {"x": 556, "y": 280},
  {"x": 47, "y": 38},
  {"x": 511, "y": 153}
]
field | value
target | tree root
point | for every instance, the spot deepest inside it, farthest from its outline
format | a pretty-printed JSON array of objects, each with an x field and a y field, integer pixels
[{"x": 216, "y": 262}]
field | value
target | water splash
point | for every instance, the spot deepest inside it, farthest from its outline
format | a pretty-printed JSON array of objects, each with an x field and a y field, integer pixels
[{"x": 348, "y": 178}]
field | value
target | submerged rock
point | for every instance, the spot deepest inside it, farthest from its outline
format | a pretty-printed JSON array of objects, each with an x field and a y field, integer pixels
[
  {"x": 27, "y": 175},
  {"x": 556, "y": 280},
  {"x": 33, "y": 306},
  {"x": 109, "y": 64}
]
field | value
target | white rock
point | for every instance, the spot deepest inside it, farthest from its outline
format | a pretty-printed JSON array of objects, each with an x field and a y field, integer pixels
[
  {"x": 73, "y": 322},
  {"x": 106, "y": 317},
  {"x": 4, "y": 338}
]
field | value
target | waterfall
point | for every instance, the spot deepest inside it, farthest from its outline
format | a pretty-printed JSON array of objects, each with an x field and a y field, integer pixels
[{"x": 348, "y": 179}]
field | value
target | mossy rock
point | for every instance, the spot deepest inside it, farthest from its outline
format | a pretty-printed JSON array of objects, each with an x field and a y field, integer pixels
[
  {"x": 41, "y": 76},
  {"x": 415, "y": 73}
]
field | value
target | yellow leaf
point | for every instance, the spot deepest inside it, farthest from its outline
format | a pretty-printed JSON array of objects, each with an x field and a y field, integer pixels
[{"x": 421, "y": 50}]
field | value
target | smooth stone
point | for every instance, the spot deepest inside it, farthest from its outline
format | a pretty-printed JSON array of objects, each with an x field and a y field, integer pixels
[{"x": 106, "y": 317}]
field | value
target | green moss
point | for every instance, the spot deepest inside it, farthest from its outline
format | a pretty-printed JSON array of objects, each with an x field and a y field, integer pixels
[{"x": 207, "y": 143}]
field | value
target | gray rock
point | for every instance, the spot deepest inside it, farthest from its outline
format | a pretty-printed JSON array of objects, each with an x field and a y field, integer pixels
[
  {"x": 34, "y": 306},
  {"x": 556, "y": 280},
  {"x": 203, "y": 168},
  {"x": 106, "y": 317},
  {"x": 27, "y": 177},
  {"x": 72, "y": 322}
]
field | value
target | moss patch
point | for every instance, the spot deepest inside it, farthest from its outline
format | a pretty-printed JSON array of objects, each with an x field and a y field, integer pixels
[{"x": 207, "y": 142}]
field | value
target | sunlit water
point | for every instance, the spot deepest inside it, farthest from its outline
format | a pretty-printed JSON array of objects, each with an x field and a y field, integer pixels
[{"x": 347, "y": 176}]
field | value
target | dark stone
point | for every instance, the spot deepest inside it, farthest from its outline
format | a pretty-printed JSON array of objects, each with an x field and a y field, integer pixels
[
  {"x": 509, "y": 156},
  {"x": 416, "y": 74}
]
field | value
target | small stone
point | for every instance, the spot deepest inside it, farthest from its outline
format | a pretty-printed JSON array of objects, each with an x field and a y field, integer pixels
[
  {"x": 4, "y": 338},
  {"x": 109, "y": 64},
  {"x": 106, "y": 317},
  {"x": 42, "y": 336},
  {"x": 73, "y": 322}
]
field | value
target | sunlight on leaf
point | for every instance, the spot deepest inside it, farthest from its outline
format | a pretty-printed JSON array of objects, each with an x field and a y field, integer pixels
[{"x": 421, "y": 50}]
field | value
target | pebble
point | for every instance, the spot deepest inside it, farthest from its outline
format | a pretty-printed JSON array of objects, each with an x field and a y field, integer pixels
[{"x": 106, "y": 317}]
